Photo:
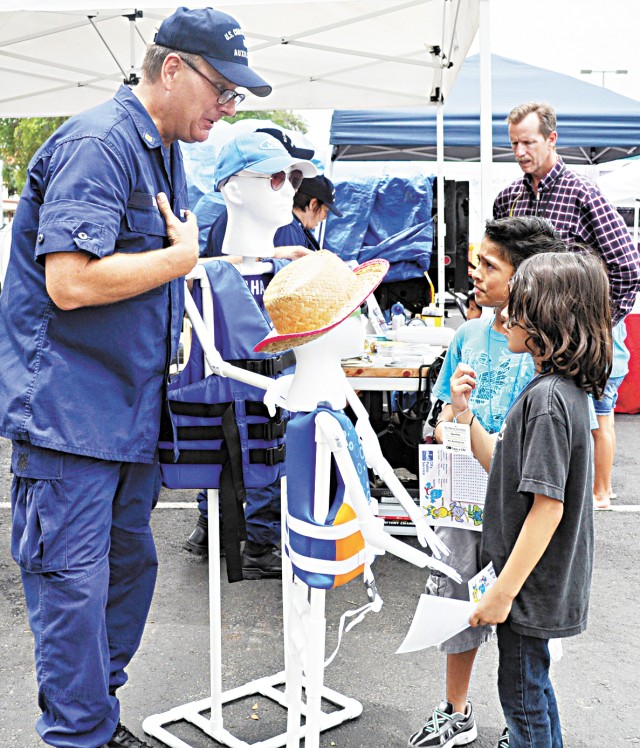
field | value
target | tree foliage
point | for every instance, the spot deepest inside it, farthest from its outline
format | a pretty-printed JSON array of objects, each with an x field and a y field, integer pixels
[
  {"x": 19, "y": 140},
  {"x": 284, "y": 118}
]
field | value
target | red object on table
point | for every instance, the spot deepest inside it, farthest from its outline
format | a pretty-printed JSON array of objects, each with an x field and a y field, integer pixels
[{"x": 629, "y": 391}]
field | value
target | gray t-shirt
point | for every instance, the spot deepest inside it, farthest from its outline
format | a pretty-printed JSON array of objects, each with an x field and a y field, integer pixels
[{"x": 544, "y": 447}]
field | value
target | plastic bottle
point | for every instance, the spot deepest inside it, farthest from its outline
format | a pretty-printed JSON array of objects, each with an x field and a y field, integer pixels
[{"x": 398, "y": 318}]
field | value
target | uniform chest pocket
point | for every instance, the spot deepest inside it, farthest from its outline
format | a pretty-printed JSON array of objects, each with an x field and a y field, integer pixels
[
  {"x": 143, "y": 216},
  {"x": 147, "y": 230}
]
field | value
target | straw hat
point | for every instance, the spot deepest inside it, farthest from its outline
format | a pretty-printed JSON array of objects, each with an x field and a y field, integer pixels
[{"x": 314, "y": 294}]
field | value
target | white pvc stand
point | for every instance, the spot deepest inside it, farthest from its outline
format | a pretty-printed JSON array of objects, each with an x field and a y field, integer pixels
[{"x": 193, "y": 712}]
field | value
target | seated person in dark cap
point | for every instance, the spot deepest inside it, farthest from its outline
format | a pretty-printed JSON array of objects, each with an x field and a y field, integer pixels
[{"x": 312, "y": 202}]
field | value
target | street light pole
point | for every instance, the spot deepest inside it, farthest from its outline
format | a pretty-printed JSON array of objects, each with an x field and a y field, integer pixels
[{"x": 603, "y": 73}]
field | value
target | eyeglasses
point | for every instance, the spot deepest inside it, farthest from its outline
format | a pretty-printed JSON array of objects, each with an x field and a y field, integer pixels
[
  {"x": 225, "y": 94},
  {"x": 279, "y": 178}
]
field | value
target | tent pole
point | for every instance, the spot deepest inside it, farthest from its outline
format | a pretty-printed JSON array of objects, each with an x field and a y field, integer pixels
[
  {"x": 440, "y": 200},
  {"x": 486, "y": 139}
]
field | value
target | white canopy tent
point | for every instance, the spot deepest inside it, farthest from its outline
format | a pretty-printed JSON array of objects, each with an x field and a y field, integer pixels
[{"x": 58, "y": 57}]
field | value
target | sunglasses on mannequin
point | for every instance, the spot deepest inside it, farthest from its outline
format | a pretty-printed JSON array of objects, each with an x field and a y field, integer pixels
[{"x": 280, "y": 177}]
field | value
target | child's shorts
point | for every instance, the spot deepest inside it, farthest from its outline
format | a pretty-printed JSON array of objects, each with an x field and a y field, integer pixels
[
  {"x": 465, "y": 559},
  {"x": 606, "y": 404}
]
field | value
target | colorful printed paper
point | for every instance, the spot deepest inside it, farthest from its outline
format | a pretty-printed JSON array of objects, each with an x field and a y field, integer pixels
[
  {"x": 481, "y": 583},
  {"x": 452, "y": 488}
]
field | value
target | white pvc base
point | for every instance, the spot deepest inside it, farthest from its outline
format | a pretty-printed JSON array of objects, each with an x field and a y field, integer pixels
[{"x": 154, "y": 725}]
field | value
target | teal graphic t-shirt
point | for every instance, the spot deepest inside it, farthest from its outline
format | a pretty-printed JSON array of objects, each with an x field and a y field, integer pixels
[{"x": 500, "y": 374}]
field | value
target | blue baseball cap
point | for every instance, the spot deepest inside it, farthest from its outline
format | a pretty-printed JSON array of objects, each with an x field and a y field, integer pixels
[
  {"x": 218, "y": 39},
  {"x": 259, "y": 152}
]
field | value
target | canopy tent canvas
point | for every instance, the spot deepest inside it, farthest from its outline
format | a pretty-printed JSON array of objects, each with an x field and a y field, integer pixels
[
  {"x": 58, "y": 57},
  {"x": 594, "y": 124},
  {"x": 622, "y": 186}
]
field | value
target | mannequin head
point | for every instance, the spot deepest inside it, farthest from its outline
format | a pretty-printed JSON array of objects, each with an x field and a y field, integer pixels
[
  {"x": 254, "y": 172},
  {"x": 318, "y": 377},
  {"x": 255, "y": 212}
]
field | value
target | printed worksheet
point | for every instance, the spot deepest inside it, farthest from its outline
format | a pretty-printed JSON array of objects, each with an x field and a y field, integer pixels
[{"x": 452, "y": 488}]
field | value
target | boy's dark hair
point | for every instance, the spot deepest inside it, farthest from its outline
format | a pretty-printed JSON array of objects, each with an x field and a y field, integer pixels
[
  {"x": 521, "y": 237},
  {"x": 561, "y": 300}
]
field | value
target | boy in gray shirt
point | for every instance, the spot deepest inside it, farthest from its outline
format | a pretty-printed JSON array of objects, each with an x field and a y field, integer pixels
[{"x": 538, "y": 525}]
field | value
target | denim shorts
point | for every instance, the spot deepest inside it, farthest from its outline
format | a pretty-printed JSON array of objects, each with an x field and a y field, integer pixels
[
  {"x": 607, "y": 402},
  {"x": 465, "y": 559}
]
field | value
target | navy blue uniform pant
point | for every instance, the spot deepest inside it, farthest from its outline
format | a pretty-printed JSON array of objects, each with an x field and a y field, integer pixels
[{"x": 81, "y": 537}]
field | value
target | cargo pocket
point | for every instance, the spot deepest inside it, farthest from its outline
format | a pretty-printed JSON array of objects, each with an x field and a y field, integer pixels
[{"x": 39, "y": 510}]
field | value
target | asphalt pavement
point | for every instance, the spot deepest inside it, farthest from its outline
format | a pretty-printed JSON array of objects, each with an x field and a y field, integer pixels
[{"x": 596, "y": 680}]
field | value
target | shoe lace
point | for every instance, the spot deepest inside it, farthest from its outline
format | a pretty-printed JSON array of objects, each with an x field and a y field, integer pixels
[{"x": 436, "y": 720}]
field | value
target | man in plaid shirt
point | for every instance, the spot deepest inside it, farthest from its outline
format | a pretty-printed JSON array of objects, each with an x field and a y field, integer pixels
[{"x": 574, "y": 204}]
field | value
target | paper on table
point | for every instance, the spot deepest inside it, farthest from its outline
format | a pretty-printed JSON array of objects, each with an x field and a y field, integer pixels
[{"x": 436, "y": 619}]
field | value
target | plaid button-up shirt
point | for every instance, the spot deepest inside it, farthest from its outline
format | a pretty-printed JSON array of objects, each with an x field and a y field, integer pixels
[{"x": 580, "y": 213}]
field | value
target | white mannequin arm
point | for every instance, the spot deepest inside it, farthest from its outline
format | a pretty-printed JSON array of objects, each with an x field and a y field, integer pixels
[
  {"x": 372, "y": 527},
  {"x": 377, "y": 462},
  {"x": 215, "y": 361}
]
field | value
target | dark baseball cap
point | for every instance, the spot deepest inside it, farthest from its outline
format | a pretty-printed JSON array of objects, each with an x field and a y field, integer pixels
[
  {"x": 322, "y": 189},
  {"x": 286, "y": 141},
  {"x": 218, "y": 39}
]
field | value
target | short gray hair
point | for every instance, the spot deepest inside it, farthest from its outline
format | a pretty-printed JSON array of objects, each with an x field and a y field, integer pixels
[
  {"x": 546, "y": 115},
  {"x": 155, "y": 57}
]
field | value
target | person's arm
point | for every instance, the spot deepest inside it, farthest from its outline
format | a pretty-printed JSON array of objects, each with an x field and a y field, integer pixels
[
  {"x": 462, "y": 384},
  {"x": 290, "y": 253},
  {"x": 535, "y": 535},
  {"x": 622, "y": 258},
  {"x": 290, "y": 242},
  {"x": 75, "y": 279}
]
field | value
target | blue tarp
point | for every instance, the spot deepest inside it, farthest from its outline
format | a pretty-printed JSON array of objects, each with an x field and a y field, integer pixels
[
  {"x": 377, "y": 212},
  {"x": 594, "y": 124}
]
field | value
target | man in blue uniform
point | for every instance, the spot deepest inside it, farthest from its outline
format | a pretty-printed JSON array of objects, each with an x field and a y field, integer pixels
[{"x": 90, "y": 316}]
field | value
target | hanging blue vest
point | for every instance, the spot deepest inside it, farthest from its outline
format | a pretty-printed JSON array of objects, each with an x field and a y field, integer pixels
[
  {"x": 212, "y": 418},
  {"x": 323, "y": 555}
]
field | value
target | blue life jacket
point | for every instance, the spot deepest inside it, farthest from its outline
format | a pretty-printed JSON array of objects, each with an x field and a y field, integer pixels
[
  {"x": 217, "y": 432},
  {"x": 193, "y": 451},
  {"x": 329, "y": 554}
]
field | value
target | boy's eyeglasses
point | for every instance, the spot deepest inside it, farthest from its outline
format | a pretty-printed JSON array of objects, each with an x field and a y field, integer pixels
[
  {"x": 279, "y": 178},
  {"x": 225, "y": 95}
]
